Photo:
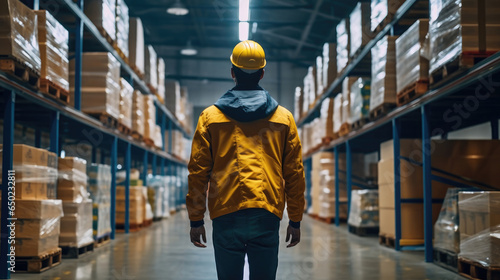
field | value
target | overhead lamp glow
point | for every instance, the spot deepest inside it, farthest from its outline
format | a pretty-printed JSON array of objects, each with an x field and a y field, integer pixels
[
  {"x": 178, "y": 9},
  {"x": 244, "y": 10},
  {"x": 189, "y": 50},
  {"x": 244, "y": 29}
]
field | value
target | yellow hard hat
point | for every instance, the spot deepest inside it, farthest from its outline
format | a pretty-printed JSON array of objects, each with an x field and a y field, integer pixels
[{"x": 248, "y": 55}]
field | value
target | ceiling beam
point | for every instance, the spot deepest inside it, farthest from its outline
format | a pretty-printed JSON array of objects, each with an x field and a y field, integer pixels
[
  {"x": 286, "y": 38},
  {"x": 309, "y": 25},
  {"x": 323, "y": 15}
]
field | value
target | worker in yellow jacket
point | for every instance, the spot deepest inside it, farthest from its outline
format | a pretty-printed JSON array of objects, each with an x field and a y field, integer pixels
[{"x": 248, "y": 148}]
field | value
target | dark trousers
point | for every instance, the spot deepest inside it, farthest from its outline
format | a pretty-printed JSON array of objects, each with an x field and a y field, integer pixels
[{"x": 252, "y": 232}]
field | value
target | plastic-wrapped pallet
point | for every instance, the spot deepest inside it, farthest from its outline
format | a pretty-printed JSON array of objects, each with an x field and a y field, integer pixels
[
  {"x": 326, "y": 119},
  {"x": 72, "y": 182},
  {"x": 346, "y": 99},
  {"x": 136, "y": 206},
  {"x": 126, "y": 94},
  {"x": 360, "y": 31},
  {"x": 36, "y": 172},
  {"x": 103, "y": 14},
  {"x": 360, "y": 100},
  {"x": 76, "y": 224},
  {"x": 446, "y": 233},
  {"x": 151, "y": 67},
  {"x": 37, "y": 227},
  {"x": 411, "y": 66},
  {"x": 310, "y": 88},
  {"x": 383, "y": 82},
  {"x": 100, "y": 84},
  {"x": 53, "y": 43},
  {"x": 364, "y": 209},
  {"x": 149, "y": 117},
  {"x": 122, "y": 27},
  {"x": 138, "y": 113},
  {"x": 136, "y": 44},
  {"x": 157, "y": 137},
  {"x": 458, "y": 26},
  {"x": 147, "y": 210},
  {"x": 337, "y": 113},
  {"x": 99, "y": 186},
  {"x": 172, "y": 95},
  {"x": 329, "y": 64},
  {"x": 480, "y": 227},
  {"x": 156, "y": 189},
  {"x": 299, "y": 101},
  {"x": 161, "y": 79},
  {"x": 343, "y": 45},
  {"x": 383, "y": 10},
  {"x": 320, "y": 87}
]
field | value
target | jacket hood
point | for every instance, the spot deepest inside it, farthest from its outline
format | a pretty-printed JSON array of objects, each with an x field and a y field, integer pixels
[{"x": 247, "y": 105}]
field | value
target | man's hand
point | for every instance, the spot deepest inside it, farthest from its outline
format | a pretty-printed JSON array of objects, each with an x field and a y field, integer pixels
[
  {"x": 195, "y": 236},
  {"x": 295, "y": 234}
]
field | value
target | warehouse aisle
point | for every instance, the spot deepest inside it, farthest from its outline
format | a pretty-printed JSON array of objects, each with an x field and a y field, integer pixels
[{"x": 164, "y": 252}]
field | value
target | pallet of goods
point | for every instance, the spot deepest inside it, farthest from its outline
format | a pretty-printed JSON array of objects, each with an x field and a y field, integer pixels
[
  {"x": 325, "y": 128},
  {"x": 318, "y": 75},
  {"x": 343, "y": 45},
  {"x": 136, "y": 208},
  {"x": 412, "y": 68},
  {"x": 383, "y": 81},
  {"x": 382, "y": 13},
  {"x": 19, "y": 50},
  {"x": 338, "y": 101},
  {"x": 345, "y": 121},
  {"x": 100, "y": 92},
  {"x": 299, "y": 103},
  {"x": 161, "y": 80},
  {"x": 151, "y": 69},
  {"x": 360, "y": 103},
  {"x": 137, "y": 115},
  {"x": 156, "y": 197},
  {"x": 99, "y": 187},
  {"x": 462, "y": 33},
  {"x": 122, "y": 30},
  {"x": 364, "y": 214},
  {"x": 173, "y": 98},
  {"x": 125, "y": 117},
  {"x": 479, "y": 256},
  {"x": 149, "y": 120},
  {"x": 103, "y": 14},
  {"x": 136, "y": 46},
  {"x": 329, "y": 64},
  {"x": 360, "y": 32},
  {"x": 53, "y": 43}
]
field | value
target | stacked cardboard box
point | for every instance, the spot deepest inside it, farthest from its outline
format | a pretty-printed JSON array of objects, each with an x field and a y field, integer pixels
[
  {"x": 329, "y": 64},
  {"x": 326, "y": 119},
  {"x": 343, "y": 45},
  {"x": 360, "y": 30},
  {"x": 309, "y": 89},
  {"x": 158, "y": 140},
  {"x": 18, "y": 36},
  {"x": 320, "y": 87},
  {"x": 446, "y": 230},
  {"x": 149, "y": 117},
  {"x": 181, "y": 111},
  {"x": 411, "y": 66},
  {"x": 337, "y": 112},
  {"x": 72, "y": 182},
  {"x": 346, "y": 99},
  {"x": 360, "y": 100},
  {"x": 136, "y": 205},
  {"x": 76, "y": 225},
  {"x": 161, "y": 79},
  {"x": 37, "y": 227},
  {"x": 151, "y": 67},
  {"x": 122, "y": 27},
  {"x": 383, "y": 82},
  {"x": 53, "y": 43},
  {"x": 103, "y": 14},
  {"x": 299, "y": 101},
  {"x": 364, "y": 209},
  {"x": 36, "y": 172},
  {"x": 100, "y": 84},
  {"x": 381, "y": 10},
  {"x": 126, "y": 103},
  {"x": 172, "y": 96},
  {"x": 480, "y": 227},
  {"x": 138, "y": 113},
  {"x": 136, "y": 45},
  {"x": 100, "y": 191},
  {"x": 462, "y": 26}
]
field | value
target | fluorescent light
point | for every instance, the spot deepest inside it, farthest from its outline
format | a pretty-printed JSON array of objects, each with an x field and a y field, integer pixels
[
  {"x": 254, "y": 27},
  {"x": 189, "y": 50},
  {"x": 244, "y": 28},
  {"x": 178, "y": 9},
  {"x": 244, "y": 10}
]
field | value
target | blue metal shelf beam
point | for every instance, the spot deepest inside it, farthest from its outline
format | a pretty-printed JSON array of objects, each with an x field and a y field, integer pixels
[{"x": 426, "y": 154}]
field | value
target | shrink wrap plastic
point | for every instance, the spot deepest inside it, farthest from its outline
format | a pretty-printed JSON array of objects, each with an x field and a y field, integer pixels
[
  {"x": 151, "y": 68},
  {"x": 446, "y": 229},
  {"x": 138, "y": 112},
  {"x": 343, "y": 45},
  {"x": 360, "y": 100},
  {"x": 126, "y": 94},
  {"x": 383, "y": 82},
  {"x": 122, "y": 26},
  {"x": 103, "y": 14},
  {"x": 364, "y": 208},
  {"x": 76, "y": 225},
  {"x": 299, "y": 103}
]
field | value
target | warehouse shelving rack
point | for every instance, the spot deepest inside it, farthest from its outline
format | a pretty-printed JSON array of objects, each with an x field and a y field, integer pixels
[
  {"x": 23, "y": 104},
  {"x": 435, "y": 113}
]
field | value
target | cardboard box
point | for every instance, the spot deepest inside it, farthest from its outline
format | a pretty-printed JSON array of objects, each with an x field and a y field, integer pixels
[
  {"x": 135, "y": 192},
  {"x": 72, "y": 163},
  {"x": 412, "y": 220},
  {"x": 135, "y": 217},
  {"x": 33, "y": 229},
  {"x": 37, "y": 246},
  {"x": 135, "y": 203},
  {"x": 136, "y": 44},
  {"x": 75, "y": 194},
  {"x": 23, "y": 155},
  {"x": 478, "y": 211},
  {"x": 26, "y": 190},
  {"x": 38, "y": 209}
]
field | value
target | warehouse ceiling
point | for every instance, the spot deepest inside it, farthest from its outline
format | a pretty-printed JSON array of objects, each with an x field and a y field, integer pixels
[{"x": 289, "y": 30}]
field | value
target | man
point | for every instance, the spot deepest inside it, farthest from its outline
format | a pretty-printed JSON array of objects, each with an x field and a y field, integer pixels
[{"x": 247, "y": 147}]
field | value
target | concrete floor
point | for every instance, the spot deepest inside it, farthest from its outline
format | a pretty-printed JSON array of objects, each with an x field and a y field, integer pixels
[{"x": 164, "y": 251}]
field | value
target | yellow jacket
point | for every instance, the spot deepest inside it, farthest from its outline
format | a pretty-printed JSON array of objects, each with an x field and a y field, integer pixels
[{"x": 246, "y": 164}]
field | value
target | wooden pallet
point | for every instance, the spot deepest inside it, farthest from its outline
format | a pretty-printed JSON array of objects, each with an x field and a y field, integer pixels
[
  {"x": 124, "y": 129},
  {"x": 172, "y": 212},
  {"x": 412, "y": 92},
  {"x": 149, "y": 142},
  {"x": 106, "y": 36},
  {"x": 132, "y": 227},
  {"x": 359, "y": 123},
  {"x": 474, "y": 270},
  {"x": 39, "y": 263},
  {"x": 69, "y": 252},
  {"x": 103, "y": 240},
  {"x": 389, "y": 241},
  {"x": 105, "y": 119},
  {"x": 457, "y": 66},
  {"x": 15, "y": 67},
  {"x": 381, "y": 111},
  {"x": 137, "y": 136},
  {"x": 329, "y": 220},
  {"x": 137, "y": 71},
  {"x": 54, "y": 90},
  {"x": 157, "y": 219},
  {"x": 120, "y": 52},
  {"x": 327, "y": 140},
  {"x": 364, "y": 231},
  {"x": 384, "y": 23},
  {"x": 446, "y": 259},
  {"x": 345, "y": 128},
  {"x": 147, "y": 223}
]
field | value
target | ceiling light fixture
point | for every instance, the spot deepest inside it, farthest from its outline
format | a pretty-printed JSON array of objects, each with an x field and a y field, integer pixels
[
  {"x": 244, "y": 10},
  {"x": 178, "y": 9},
  {"x": 189, "y": 50},
  {"x": 244, "y": 28}
]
